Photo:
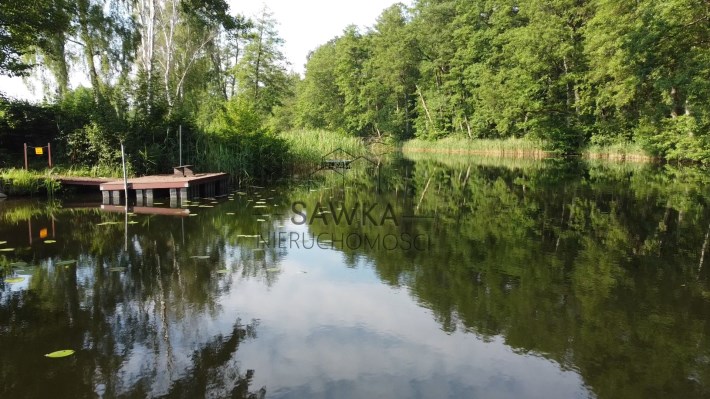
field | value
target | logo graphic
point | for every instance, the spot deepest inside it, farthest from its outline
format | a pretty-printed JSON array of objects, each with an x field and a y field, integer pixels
[{"x": 369, "y": 226}]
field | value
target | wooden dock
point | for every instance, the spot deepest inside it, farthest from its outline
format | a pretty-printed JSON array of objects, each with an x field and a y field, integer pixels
[{"x": 182, "y": 185}]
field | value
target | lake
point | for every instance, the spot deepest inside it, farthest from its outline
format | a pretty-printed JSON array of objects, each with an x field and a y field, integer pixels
[{"x": 419, "y": 278}]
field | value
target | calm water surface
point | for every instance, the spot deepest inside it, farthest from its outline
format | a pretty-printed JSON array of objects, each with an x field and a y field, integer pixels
[{"x": 441, "y": 279}]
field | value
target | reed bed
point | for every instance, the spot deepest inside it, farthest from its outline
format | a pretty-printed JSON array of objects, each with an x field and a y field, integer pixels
[
  {"x": 308, "y": 147},
  {"x": 510, "y": 147},
  {"x": 618, "y": 152}
]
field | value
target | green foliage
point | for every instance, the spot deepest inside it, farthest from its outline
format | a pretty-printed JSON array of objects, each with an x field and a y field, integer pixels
[
  {"x": 310, "y": 145},
  {"x": 21, "y": 182},
  {"x": 565, "y": 72}
]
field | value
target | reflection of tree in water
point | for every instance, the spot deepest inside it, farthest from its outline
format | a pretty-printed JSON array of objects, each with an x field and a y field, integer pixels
[
  {"x": 597, "y": 267},
  {"x": 215, "y": 373},
  {"x": 117, "y": 306}
]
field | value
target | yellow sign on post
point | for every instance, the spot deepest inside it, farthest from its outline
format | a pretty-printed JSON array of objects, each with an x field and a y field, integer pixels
[{"x": 39, "y": 150}]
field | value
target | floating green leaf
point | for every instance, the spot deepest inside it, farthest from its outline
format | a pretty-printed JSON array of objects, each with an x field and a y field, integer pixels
[
  {"x": 61, "y": 353},
  {"x": 3, "y": 242},
  {"x": 7, "y": 249},
  {"x": 222, "y": 271},
  {"x": 18, "y": 264},
  {"x": 107, "y": 223},
  {"x": 117, "y": 269},
  {"x": 14, "y": 280},
  {"x": 260, "y": 220},
  {"x": 273, "y": 270},
  {"x": 50, "y": 241},
  {"x": 230, "y": 213},
  {"x": 200, "y": 256},
  {"x": 66, "y": 262},
  {"x": 192, "y": 214}
]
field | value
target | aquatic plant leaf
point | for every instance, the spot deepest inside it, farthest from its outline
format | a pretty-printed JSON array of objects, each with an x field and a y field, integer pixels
[
  {"x": 61, "y": 353},
  {"x": 7, "y": 249},
  {"x": 273, "y": 270},
  {"x": 50, "y": 241},
  {"x": 66, "y": 262},
  {"x": 12, "y": 280},
  {"x": 18, "y": 264},
  {"x": 117, "y": 269},
  {"x": 222, "y": 271},
  {"x": 200, "y": 256}
]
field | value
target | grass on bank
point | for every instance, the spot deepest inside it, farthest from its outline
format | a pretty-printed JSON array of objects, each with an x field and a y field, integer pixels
[
  {"x": 523, "y": 148},
  {"x": 495, "y": 147},
  {"x": 21, "y": 182},
  {"x": 310, "y": 146},
  {"x": 618, "y": 151}
]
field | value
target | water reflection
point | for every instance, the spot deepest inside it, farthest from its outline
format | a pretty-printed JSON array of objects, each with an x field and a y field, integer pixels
[{"x": 539, "y": 279}]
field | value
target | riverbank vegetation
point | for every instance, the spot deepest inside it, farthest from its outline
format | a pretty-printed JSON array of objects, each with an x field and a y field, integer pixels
[{"x": 181, "y": 81}]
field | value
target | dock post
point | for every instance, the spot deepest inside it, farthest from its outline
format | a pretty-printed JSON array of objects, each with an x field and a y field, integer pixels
[
  {"x": 173, "y": 198},
  {"x": 183, "y": 194},
  {"x": 105, "y": 197},
  {"x": 149, "y": 197},
  {"x": 139, "y": 197},
  {"x": 116, "y": 197}
]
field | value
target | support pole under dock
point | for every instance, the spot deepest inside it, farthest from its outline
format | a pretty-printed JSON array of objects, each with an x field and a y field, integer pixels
[
  {"x": 125, "y": 179},
  {"x": 139, "y": 197}
]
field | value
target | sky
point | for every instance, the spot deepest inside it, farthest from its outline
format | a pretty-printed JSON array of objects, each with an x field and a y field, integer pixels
[{"x": 303, "y": 24}]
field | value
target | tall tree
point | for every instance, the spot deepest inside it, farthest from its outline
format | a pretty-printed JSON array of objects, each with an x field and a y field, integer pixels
[{"x": 261, "y": 73}]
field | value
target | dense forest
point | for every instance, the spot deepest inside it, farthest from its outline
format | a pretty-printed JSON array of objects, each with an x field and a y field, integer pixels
[{"x": 568, "y": 73}]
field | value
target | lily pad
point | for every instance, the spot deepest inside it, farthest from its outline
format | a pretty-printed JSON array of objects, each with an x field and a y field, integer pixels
[
  {"x": 106, "y": 223},
  {"x": 7, "y": 249},
  {"x": 3, "y": 242},
  {"x": 222, "y": 271},
  {"x": 14, "y": 280},
  {"x": 117, "y": 269},
  {"x": 18, "y": 264},
  {"x": 230, "y": 213},
  {"x": 66, "y": 262},
  {"x": 50, "y": 241},
  {"x": 259, "y": 206},
  {"x": 200, "y": 256},
  {"x": 132, "y": 222},
  {"x": 192, "y": 214},
  {"x": 61, "y": 353},
  {"x": 260, "y": 220},
  {"x": 273, "y": 270}
]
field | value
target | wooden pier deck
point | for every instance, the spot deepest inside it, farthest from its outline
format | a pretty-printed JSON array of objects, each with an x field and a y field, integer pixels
[
  {"x": 183, "y": 184},
  {"x": 180, "y": 187}
]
